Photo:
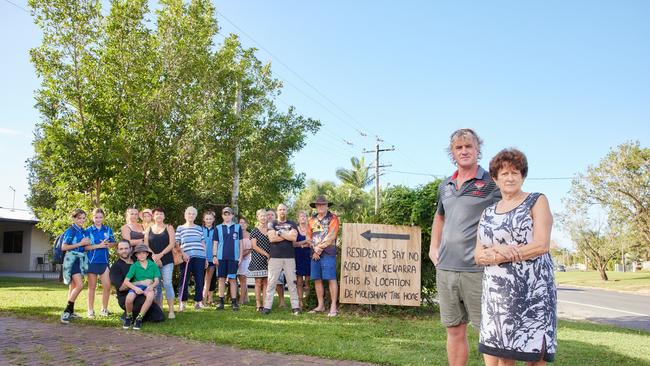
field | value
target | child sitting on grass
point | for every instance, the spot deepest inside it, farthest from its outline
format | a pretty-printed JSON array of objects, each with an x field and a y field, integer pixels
[{"x": 142, "y": 279}]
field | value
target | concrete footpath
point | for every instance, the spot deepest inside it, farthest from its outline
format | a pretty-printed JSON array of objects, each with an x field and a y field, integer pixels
[{"x": 34, "y": 342}]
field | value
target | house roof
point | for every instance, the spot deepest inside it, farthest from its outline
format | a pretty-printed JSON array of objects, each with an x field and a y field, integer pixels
[{"x": 17, "y": 215}]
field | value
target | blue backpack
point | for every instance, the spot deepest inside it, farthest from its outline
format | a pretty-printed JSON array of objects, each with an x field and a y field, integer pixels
[{"x": 57, "y": 252}]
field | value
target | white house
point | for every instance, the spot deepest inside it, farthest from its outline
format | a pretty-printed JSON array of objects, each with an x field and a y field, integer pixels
[{"x": 21, "y": 243}]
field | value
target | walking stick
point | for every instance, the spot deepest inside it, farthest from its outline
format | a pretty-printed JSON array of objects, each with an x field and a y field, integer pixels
[{"x": 180, "y": 296}]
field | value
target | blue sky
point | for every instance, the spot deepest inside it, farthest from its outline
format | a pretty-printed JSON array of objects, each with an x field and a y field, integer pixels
[{"x": 564, "y": 81}]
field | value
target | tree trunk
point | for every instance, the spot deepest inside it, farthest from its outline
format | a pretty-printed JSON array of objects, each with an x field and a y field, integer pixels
[
  {"x": 603, "y": 274},
  {"x": 98, "y": 188}
]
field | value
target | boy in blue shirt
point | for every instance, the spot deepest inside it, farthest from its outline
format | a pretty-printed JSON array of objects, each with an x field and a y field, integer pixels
[{"x": 226, "y": 254}]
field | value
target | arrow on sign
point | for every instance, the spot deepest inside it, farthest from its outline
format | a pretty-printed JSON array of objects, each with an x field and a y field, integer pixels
[{"x": 369, "y": 235}]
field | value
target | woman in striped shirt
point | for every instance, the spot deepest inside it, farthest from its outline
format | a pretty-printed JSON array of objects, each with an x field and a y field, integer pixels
[{"x": 190, "y": 237}]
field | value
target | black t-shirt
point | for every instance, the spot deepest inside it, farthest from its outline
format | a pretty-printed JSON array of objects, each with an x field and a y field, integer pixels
[
  {"x": 117, "y": 273},
  {"x": 282, "y": 249}
]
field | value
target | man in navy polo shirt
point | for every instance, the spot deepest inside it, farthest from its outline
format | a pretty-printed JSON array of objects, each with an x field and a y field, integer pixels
[
  {"x": 461, "y": 201},
  {"x": 226, "y": 254}
]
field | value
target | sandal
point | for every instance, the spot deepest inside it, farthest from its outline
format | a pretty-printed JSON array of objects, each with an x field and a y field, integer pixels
[
  {"x": 332, "y": 314},
  {"x": 316, "y": 311}
]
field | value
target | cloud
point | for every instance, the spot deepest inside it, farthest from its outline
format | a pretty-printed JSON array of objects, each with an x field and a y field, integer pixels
[{"x": 10, "y": 132}]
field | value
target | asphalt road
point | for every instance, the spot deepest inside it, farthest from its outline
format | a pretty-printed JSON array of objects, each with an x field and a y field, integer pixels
[{"x": 601, "y": 306}]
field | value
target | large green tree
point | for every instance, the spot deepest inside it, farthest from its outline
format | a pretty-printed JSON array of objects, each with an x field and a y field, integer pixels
[
  {"x": 619, "y": 185},
  {"x": 145, "y": 109}
]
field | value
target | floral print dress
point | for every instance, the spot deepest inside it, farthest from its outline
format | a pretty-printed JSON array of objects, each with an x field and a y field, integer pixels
[{"x": 518, "y": 307}]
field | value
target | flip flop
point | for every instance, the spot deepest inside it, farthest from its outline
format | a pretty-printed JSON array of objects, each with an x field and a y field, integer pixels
[
  {"x": 316, "y": 311},
  {"x": 332, "y": 314}
]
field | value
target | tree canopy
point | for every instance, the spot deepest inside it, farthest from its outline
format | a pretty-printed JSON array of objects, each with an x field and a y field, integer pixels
[{"x": 138, "y": 108}]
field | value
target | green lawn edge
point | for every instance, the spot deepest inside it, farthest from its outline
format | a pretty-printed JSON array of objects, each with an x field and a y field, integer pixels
[{"x": 382, "y": 339}]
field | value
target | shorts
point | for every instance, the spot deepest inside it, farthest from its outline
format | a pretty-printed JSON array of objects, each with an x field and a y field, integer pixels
[
  {"x": 97, "y": 268},
  {"x": 141, "y": 287},
  {"x": 76, "y": 267},
  {"x": 210, "y": 264},
  {"x": 459, "y": 295},
  {"x": 324, "y": 268},
  {"x": 227, "y": 268},
  {"x": 303, "y": 261}
]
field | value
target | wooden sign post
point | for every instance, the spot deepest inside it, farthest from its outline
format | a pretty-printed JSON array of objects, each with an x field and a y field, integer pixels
[{"x": 380, "y": 264}]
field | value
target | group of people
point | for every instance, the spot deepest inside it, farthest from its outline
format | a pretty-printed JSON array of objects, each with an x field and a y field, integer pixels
[
  {"x": 490, "y": 244},
  {"x": 276, "y": 252}
]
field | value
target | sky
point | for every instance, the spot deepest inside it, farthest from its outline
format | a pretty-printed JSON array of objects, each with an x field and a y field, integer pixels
[{"x": 563, "y": 81}]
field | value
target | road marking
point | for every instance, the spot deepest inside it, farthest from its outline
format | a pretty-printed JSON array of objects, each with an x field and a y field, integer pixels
[{"x": 603, "y": 308}]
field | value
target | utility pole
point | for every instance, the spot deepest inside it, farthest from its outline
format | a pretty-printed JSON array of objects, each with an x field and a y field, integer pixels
[
  {"x": 376, "y": 151},
  {"x": 13, "y": 202},
  {"x": 235, "y": 161}
]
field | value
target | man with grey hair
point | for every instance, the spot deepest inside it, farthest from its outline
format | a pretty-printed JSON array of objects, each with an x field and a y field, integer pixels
[{"x": 461, "y": 201}]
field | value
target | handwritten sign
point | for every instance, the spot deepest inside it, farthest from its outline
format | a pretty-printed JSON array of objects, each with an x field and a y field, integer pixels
[{"x": 380, "y": 264}]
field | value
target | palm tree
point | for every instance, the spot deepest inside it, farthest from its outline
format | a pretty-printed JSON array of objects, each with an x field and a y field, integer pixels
[{"x": 357, "y": 176}]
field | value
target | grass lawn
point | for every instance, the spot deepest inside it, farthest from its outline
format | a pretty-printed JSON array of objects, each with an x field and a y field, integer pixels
[
  {"x": 625, "y": 281},
  {"x": 390, "y": 340}
]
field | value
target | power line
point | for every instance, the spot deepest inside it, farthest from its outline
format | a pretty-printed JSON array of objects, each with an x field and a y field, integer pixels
[
  {"x": 376, "y": 151},
  {"x": 18, "y": 6},
  {"x": 338, "y": 137},
  {"x": 290, "y": 70}
]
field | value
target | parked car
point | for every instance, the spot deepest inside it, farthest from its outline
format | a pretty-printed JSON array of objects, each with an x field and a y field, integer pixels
[{"x": 560, "y": 268}]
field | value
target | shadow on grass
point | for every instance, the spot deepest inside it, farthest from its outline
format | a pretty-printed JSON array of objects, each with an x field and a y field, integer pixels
[{"x": 583, "y": 353}]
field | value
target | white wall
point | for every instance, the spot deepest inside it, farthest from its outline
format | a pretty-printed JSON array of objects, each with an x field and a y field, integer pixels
[
  {"x": 35, "y": 244},
  {"x": 15, "y": 261},
  {"x": 39, "y": 247}
]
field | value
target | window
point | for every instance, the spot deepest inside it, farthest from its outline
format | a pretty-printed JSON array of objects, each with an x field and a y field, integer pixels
[{"x": 13, "y": 242}]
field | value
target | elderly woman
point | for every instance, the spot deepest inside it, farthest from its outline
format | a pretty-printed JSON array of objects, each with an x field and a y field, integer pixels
[
  {"x": 518, "y": 310},
  {"x": 190, "y": 237}
]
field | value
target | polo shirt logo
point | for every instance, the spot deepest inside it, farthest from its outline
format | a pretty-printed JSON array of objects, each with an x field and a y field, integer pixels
[{"x": 235, "y": 235}]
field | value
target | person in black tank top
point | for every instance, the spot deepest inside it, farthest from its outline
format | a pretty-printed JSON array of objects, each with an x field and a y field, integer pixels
[
  {"x": 132, "y": 230},
  {"x": 160, "y": 239}
]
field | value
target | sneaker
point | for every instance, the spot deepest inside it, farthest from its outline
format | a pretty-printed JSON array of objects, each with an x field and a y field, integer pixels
[
  {"x": 265, "y": 311},
  {"x": 74, "y": 316},
  {"x": 171, "y": 316},
  {"x": 65, "y": 317},
  {"x": 123, "y": 317},
  {"x": 199, "y": 305},
  {"x": 295, "y": 311},
  {"x": 104, "y": 312},
  {"x": 138, "y": 323},
  {"x": 235, "y": 306},
  {"x": 220, "y": 304},
  {"x": 181, "y": 307},
  {"x": 127, "y": 322},
  {"x": 91, "y": 314}
]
